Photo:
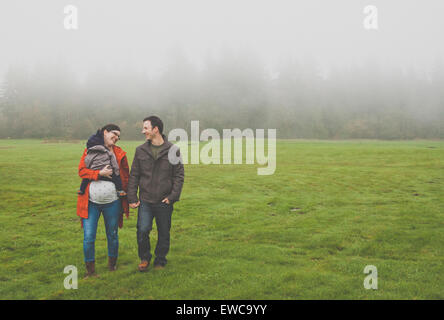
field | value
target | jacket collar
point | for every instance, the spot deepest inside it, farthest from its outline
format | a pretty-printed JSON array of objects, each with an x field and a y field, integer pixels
[
  {"x": 119, "y": 153},
  {"x": 163, "y": 149}
]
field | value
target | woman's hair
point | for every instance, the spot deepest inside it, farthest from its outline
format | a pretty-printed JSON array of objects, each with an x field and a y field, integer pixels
[{"x": 110, "y": 127}]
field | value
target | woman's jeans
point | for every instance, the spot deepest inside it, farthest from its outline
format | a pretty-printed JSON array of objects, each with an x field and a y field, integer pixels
[
  {"x": 111, "y": 213},
  {"x": 162, "y": 212}
]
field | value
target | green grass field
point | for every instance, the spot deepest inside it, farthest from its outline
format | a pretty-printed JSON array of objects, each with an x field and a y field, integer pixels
[{"x": 306, "y": 232}]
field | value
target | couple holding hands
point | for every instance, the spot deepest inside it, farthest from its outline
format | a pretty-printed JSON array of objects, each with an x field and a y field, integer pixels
[{"x": 109, "y": 188}]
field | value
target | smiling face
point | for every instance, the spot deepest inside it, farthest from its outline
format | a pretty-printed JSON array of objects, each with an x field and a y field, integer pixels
[
  {"x": 148, "y": 130},
  {"x": 111, "y": 137}
]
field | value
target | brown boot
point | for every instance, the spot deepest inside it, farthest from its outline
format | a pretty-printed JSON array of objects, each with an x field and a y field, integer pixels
[
  {"x": 90, "y": 269},
  {"x": 112, "y": 263}
]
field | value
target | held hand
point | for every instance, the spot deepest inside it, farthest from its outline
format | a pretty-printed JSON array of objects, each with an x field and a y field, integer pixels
[
  {"x": 166, "y": 201},
  {"x": 134, "y": 205},
  {"x": 106, "y": 172}
]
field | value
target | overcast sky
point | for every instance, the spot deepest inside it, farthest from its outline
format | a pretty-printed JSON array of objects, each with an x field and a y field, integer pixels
[{"x": 139, "y": 34}]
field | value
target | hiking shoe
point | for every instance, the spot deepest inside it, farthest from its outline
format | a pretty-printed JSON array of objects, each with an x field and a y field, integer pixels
[
  {"x": 112, "y": 263},
  {"x": 159, "y": 267},
  {"x": 143, "y": 265},
  {"x": 90, "y": 269}
]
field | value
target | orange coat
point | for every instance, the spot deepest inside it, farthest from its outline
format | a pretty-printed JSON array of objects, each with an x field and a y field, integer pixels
[{"x": 85, "y": 173}]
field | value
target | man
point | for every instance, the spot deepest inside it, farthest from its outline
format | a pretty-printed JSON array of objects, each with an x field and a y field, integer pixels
[{"x": 160, "y": 183}]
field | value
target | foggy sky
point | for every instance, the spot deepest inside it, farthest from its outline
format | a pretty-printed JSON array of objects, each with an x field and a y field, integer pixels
[{"x": 142, "y": 34}]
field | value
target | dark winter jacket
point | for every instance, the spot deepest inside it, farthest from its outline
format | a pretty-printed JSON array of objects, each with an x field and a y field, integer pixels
[{"x": 156, "y": 179}]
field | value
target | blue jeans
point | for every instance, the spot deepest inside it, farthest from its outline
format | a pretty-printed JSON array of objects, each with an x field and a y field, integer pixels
[
  {"x": 162, "y": 212},
  {"x": 111, "y": 213}
]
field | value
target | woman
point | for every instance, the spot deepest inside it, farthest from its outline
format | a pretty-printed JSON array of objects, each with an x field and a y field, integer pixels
[{"x": 100, "y": 196}]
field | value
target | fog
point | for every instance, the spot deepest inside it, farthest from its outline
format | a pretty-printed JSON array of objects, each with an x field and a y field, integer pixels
[{"x": 308, "y": 68}]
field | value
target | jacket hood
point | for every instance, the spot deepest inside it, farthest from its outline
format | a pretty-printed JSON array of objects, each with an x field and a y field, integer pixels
[
  {"x": 98, "y": 148},
  {"x": 95, "y": 139}
]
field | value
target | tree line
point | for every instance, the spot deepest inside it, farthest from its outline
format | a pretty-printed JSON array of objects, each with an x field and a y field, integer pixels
[{"x": 236, "y": 91}]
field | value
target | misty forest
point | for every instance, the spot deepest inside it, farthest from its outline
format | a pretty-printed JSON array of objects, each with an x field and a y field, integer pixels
[{"x": 234, "y": 90}]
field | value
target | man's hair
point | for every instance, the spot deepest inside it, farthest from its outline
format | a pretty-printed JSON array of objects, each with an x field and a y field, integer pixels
[
  {"x": 110, "y": 127},
  {"x": 155, "y": 122}
]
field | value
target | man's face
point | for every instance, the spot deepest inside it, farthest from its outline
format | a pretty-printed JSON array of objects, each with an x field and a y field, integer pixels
[{"x": 148, "y": 130}]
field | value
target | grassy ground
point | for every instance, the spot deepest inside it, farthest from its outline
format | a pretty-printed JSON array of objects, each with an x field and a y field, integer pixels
[{"x": 306, "y": 232}]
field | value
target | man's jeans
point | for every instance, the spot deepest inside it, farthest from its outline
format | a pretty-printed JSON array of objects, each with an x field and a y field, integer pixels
[
  {"x": 111, "y": 213},
  {"x": 162, "y": 212}
]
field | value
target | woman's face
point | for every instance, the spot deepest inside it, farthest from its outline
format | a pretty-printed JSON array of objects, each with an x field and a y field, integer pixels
[{"x": 111, "y": 137}]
